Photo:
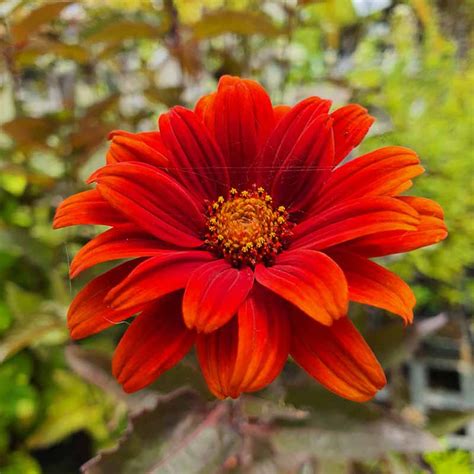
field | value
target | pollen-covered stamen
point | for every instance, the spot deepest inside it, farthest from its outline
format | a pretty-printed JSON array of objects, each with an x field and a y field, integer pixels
[{"x": 246, "y": 229}]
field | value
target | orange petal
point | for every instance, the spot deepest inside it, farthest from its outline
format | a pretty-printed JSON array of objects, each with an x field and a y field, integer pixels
[
  {"x": 286, "y": 134},
  {"x": 430, "y": 230},
  {"x": 306, "y": 167},
  {"x": 88, "y": 207},
  {"x": 310, "y": 280},
  {"x": 89, "y": 314},
  {"x": 204, "y": 108},
  {"x": 124, "y": 241},
  {"x": 167, "y": 272},
  {"x": 195, "y": 157},
  {"x": 425, "y": 207},
  {"x": 337, "y": 357},
  {"x": 146, "y": 147},
  {"x": 214, "y": 293},
  {"x": 156, "y": 340},
  {"x": 248, "y": 352},
  {"x": 374, "y": 285},
  {"x": 352, "y": 219},
  {"x": 279, "y": 111},
  {"x": 380, "y": 173},
  {"x": 351, "y": 124},
  {"x": 240, "y": 115},
  {"x": 153, "y": 200}
]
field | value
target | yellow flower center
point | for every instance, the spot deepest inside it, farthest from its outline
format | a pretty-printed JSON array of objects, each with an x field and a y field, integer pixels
[{"x": 246, "y": 229}]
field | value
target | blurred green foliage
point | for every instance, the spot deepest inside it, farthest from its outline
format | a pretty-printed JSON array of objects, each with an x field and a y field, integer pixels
[{"x": 72, "y": 72}]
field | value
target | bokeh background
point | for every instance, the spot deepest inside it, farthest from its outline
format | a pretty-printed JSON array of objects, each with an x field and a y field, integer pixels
[{"x": 73, "y": 71}]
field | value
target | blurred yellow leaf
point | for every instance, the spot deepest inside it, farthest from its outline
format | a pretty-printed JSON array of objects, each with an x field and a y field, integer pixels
[
  {"x": 91, "y": 131},
  {"x": 309, "y": 2},
  {"x": 38, "y": 47},
  {"x": 23, "y": 334},
  {"x": 125, "y": 29},
  {"x": 240, "y": 22},
  {"x": 32, "y": 22},
  {"x": 14, "y": 179},
  {"x": 30, "y": 132},
  {"x": 72, "y": 406},
  {"x": 129, "y": 5},
  {"x": 334, "y": 15},
  {"x": 169, "y": 96},
  {"x": 191, "y": 10}
]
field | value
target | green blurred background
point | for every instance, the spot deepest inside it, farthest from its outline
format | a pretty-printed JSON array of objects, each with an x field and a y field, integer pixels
[{"x": 73, "y": 71}]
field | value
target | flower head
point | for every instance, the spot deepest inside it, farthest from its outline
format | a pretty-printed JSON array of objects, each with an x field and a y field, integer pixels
[{"x": 244, "y": 235}]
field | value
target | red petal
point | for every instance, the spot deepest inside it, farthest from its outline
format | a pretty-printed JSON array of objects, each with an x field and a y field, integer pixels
[
  {"x": 310, "y": 280},
  {"x": 430, "y": 230},
  {"x": 153, "y": 200},
  {"x": 279, "y": 111},
  {"x": 120, "y": 242},
  {"x": 88, "y": 207},
  {"x": 283, "y": 139},
  {"x": 157, "y": 276},
  {"x": 204, "y": 108},
  {"x": 337, "y": 357},
  {"x": 380, "y": 173},
  {"x": 146, "y": 147},
  {"x": 156, "y": 341},
  {"x": 195, "y": 157},
  {"x": 88, "y": 313},
  {"x": 240, "y": 116},
  {"x": 351, "y": 124},
  {"x": 352, "y": 219},
  {"x": 374, "y": 285},
  {"x": 248, "y": 352},
  {"x": 425, "y": 207},
  {"x": 306, "y": 166},
  {"x": 213, "y": 295}
]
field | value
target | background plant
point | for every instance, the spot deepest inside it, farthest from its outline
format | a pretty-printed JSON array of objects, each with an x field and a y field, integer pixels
[{"x": 72, "y": 72}]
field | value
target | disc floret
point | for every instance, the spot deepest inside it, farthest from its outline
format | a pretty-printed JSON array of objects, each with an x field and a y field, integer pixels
[{"x": 245, "y": 229}]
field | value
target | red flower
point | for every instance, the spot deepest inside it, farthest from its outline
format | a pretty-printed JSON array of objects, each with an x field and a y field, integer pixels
[{"x": 245, "y": 236}]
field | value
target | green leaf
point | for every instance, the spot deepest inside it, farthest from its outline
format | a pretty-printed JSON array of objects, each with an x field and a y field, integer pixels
[
  {"x": 71, "y": 406},
  {"x": 35, "y": 321},
  {"x": 19, "y": 241},
  {"x": 444, "y": 422},
  {"x": 21, "y": 302},
  {"x": 451, "y": 462},
  {"x": 95, "y": 367},
  {"x": 6, "y": 317},
  {"x": 14, "y": 183},
  {"x": 179, "y": 435},
  {"x": 18, "y": 398},
  {"x": 20, "y": 462},
  {"x": 22, "y": 335},
  {"x": 239, "y": 22}
]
